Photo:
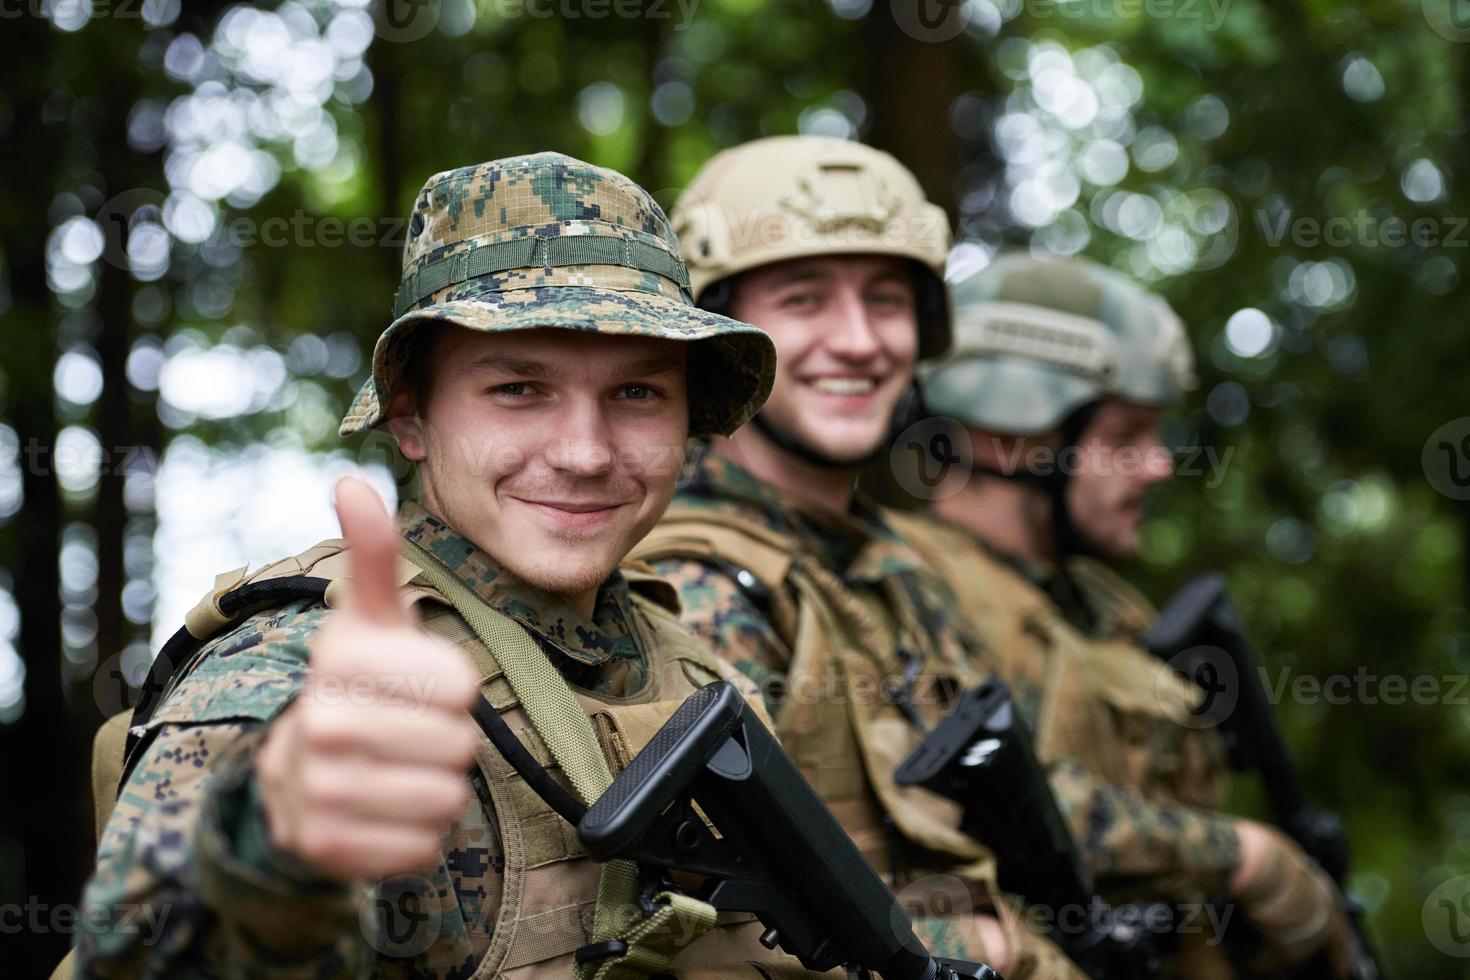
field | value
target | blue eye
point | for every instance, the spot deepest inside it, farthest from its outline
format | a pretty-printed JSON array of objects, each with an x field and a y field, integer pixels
[
  {"x": 640, "y": 392},
  {"x": 513, "y": 389}
]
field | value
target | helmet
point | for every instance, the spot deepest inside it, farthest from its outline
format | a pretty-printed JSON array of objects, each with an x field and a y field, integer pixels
[
  {"x": 1038, "y": 338},
  {"x": 546, "y": 240},
  {"x": 788, "y": 197}
]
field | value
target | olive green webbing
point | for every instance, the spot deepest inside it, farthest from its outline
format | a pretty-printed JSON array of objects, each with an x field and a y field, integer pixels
[
  {"x": 559, "y": 720},
  {"x": 537, "y": 253}
]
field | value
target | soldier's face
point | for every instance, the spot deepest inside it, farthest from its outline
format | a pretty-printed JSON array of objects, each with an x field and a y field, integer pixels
[
  {"x": 1119, "y": 458},
  {"x": 846, "y": 337},
  {"x": 553, "y": 450}
]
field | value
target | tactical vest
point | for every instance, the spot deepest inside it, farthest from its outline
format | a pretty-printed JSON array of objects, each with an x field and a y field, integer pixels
[
  {"x": 1105, "y": 703},
  {"x": 834, "y": 720},
  {"x": 549, "y": 883}
]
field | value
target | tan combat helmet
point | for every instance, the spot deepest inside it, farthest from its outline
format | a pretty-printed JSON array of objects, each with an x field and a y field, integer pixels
[
  {"x": 546, "y": 240},
  {"x": 788, "y": 197},
  {"x": 1038, "y": 338}
]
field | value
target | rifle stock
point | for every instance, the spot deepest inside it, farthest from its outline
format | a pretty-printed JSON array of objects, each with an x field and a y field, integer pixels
[
  {"x": 980, "y": 756},
  {"x": 779, "y": 853}
]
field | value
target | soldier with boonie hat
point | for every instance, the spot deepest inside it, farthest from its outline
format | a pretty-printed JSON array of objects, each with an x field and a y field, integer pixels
[{"x": 295, "y": 799}]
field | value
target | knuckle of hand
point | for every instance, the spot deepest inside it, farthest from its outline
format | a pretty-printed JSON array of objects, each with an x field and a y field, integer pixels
[
  {"x": 317, "y": 844},
  {"x": 323, "y": 727},
  {"x": 323, "y": 791}
]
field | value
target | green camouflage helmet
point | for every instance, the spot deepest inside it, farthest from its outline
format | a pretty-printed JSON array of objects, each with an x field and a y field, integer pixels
[
  {"x": 1037, "y": 338},
  {"x": 546, "y": 240}
]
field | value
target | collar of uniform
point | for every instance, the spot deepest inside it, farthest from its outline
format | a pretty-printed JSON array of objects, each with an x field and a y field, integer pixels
[
  {"x": 606, "y": 636},
  {"x": 857, "y": 544}
]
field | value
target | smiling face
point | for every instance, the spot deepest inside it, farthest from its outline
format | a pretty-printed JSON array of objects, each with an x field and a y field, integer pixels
[
  {"x": 553, "y": 450},
  {"x": 1119, "y": 458},
  {"x": 846, "y": 336}
]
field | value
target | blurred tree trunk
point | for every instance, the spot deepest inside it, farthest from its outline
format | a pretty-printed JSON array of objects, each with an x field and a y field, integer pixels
[
  {"x": 908, "y": 85},
  {"x": 113, "y": 413},
  {"x": 652, "y": 169},
  {"x": 387, "y": 68},
  {"x": 44, "y": 804}
]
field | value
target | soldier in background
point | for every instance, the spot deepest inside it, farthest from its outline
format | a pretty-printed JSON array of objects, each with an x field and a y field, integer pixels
[
  {"x": 1059, "y": 374},
  {"x": 300, "y": 805},
  {"x": 831, "y": 247}
]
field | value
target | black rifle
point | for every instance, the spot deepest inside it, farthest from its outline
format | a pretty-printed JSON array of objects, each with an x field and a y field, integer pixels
[
  {"x": 1199, "y": 633},
  {"x": 780, "y": 853},
  {"x": 981, "y": 753}
]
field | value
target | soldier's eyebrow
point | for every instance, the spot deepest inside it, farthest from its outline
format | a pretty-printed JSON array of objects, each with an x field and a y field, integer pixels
[
  {"x": 526, "y": 367},
  {"x": 802, "y": 273},
  {"x": 660, "y": 364},
  {"x": 507, "y": 364}
]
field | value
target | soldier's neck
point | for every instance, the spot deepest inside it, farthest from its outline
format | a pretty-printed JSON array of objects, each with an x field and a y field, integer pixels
[
  {"x": 585, "y": 601},
  {"x": 829, "y": 488},
  {"x": 1011, "y": 517}
]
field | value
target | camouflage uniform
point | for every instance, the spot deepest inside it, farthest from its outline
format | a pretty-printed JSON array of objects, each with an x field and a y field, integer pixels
[
  {"x": 1142, "y": 806},
  {"x": 537, "y": 241},
  {"x": 189, "y": 837},
  {"x": 1039, "y": 341},
  {"x": 918, "y": 660},
  {"x": 854, "y": 647}
]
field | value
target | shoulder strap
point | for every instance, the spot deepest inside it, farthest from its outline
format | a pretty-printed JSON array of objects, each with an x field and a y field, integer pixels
[
  {"x": 709, "y": 535},
  {"x": 173, "y": 660},
  {"x": 625, "y": 941},
  {"x": 1122, "y": 608},
  {"x": 756, "y": 558}
]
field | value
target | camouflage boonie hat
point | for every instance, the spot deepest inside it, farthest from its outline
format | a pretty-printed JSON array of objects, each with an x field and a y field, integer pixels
[{"x": 546, "y": 240}]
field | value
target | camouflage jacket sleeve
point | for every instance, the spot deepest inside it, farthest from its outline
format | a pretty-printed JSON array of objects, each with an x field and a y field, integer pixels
[
  {"x": 1171, "y": 848},
  {"x": 717, "y": 610},
  {"x": 185, "y": 872}
]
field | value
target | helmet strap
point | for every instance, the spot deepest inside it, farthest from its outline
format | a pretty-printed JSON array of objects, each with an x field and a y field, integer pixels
[
  {"x": 1067, "y": 537},
  {"x": 903, "y": 415},
  {"x": 1068, "y": 540}
]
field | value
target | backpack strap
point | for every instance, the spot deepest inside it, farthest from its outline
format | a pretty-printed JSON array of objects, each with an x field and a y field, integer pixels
[
  {"x": 756, "y": 558},
  {"x": 173, "y": 661}
]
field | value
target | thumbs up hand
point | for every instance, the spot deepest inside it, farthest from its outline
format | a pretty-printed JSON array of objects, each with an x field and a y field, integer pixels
[{"x": 363, "y": 773}]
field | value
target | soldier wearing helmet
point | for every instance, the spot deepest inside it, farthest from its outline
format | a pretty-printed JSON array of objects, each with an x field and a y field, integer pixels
[
  {"x": 543, "y": 370},
  {"x": 1057, "y": 381},
  {"x": 832, "y": 248}
]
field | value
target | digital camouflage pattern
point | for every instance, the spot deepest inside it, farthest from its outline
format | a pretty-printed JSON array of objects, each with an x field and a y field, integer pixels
[
  {"x": 1148, "y": 827},
  {"x": 919, "y": 613},
  {"x": 857, "y": 546},
  {"x": 186, "y": 849},
  {"x": 546, "y": 240}
]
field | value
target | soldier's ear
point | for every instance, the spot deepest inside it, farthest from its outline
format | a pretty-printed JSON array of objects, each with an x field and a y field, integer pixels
[{"x": 407, "y": 425}]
